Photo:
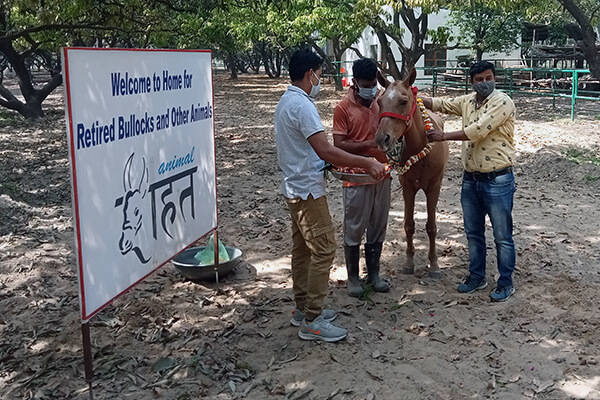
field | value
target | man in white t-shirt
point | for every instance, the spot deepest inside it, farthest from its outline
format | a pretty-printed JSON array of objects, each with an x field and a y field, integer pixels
[{"x": 302, "y": 149}]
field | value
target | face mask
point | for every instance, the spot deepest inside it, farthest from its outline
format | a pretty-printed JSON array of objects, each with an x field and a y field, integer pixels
[
  {"x": 314, "y": 90},
  {"x": 484, "y": 89},
  {"x": 367, "y": 93}
]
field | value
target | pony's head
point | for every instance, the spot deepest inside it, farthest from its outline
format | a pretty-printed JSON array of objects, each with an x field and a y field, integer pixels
[{"x": 397, "y": 106}]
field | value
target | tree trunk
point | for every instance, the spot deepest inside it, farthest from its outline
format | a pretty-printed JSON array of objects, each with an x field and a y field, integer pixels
[
  {"x": 409, "y": 62},
  {"x": 588, "y": 44},
  {"x": 329, "y": 65},
  {"x": 388, "y": 55},
  {"x": 32, "y": 107},
  {"x": 593, "y": 59},
  {"x": 480, "y": 54},
  {"x": 232, "y": 66},
  {"x": 417, "y": 26},
  {"x": 337, "y": 54},
  {"x": 241, "y": 65},
  {"x": 277, "y": 63},
  {"x": 253, "y": 63},
  {"x": 265, "y": 57}
]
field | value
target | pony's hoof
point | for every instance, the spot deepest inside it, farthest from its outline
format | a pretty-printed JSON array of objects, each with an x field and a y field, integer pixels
[
  {"x": 408, "y": 270},
  {"x": 435, "y": 273}
]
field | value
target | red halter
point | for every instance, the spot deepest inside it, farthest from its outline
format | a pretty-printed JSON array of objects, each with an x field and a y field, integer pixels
[{"x": 406, "y": 118}]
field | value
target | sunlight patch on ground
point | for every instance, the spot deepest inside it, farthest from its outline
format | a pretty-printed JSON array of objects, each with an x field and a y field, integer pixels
[
  {"x": 269, "y": 108},
  {"x": 452, "y": 219},
  {"x": 534, "y": 228},
  {"x": 415, "y": 292},
  {"x": 422, "y": 215},
  {"x": 397, "y": 214},
  {"x": 293, "y": 387},
  {"x": 277, "y": 265},
  {"x": 253, "y": 127},
  {"x": 593, "y": 239},
  {"x": 582, "y": 388},
  {"x": 39, "y": 345},
  {"x": 338, "y": 273},
  {"x": 552, "y": 344},
  {"x": 455, "y": 237}
]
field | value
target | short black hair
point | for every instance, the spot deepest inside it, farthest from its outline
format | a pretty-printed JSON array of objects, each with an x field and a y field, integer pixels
[
  {"x": 480, "y": 66},
  {"x": 365, "y": 69},
  {"x": 302, "y": 61}
]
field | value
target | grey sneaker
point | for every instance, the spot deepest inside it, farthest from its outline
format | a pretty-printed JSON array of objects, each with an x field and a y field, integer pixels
[
  {"x": 502, "y": 293},
  {"x": 320, "y": 329},
  {"x": 471, "y": 284},
  {"x": 298, "y": 316}
]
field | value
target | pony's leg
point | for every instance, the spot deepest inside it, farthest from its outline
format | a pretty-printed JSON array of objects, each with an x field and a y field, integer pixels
[
  {"x": 409, "y": 227},
  {"x": 431, "y": 227}
]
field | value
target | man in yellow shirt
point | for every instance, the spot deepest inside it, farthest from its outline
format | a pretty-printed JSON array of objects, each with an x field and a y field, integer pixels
[{"x": 488, "y": 186}]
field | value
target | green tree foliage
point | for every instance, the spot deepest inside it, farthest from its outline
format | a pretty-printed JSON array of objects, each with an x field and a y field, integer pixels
[
  {"x": 586, "y": 14},
  {"x": 484, "y": 29},
  {"x": 391, "y": 20},
  {"x": 250, "y": 34},
  {"x": 33, "y": 31},
  {"x": 577, "y": 18},
  {"x": 333, "y": 23}
]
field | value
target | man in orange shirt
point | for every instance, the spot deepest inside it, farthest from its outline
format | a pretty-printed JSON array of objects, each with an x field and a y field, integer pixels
[{"x": 366, "y": 206}]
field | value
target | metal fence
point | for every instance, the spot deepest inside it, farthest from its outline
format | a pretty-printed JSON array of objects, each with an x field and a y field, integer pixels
[{"x": 538, "y": 82}]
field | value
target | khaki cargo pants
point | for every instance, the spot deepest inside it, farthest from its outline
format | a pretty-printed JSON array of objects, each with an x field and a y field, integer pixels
[{"x": 313, "y": 251}]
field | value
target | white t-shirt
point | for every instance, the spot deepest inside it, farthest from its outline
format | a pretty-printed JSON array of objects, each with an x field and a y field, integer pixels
[{"x": 296, "y": 119}]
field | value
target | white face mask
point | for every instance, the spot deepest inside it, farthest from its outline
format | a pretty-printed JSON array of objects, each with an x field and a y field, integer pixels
[
  {"x": 314, "y": 90},
  {"x": 367, "y": 93}
]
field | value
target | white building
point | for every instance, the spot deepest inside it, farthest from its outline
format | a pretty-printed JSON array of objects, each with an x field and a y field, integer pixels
[{"x": 369, "y": 46}]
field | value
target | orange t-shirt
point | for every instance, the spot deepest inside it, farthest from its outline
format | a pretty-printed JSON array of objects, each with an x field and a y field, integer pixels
[{"x": 358, "y": 123}]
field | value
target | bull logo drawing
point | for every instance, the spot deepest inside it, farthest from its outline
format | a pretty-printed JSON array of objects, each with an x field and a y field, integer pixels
[{"x": 134, "y": 202}]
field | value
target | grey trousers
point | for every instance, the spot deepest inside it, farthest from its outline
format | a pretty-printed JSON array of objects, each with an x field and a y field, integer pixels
[{"x": 366, "y": 208}]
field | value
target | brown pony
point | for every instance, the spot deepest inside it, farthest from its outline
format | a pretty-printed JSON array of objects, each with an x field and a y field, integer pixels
[{"x": 401, "y": 134}]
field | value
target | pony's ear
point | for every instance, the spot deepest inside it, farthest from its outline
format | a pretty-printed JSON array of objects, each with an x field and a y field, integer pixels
[
  {"x": 408, "y": 82},
  {"x": 381, "y": 79}
]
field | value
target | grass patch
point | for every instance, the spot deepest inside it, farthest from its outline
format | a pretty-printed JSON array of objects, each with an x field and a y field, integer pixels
[
  {"x": 9, "y": 188},
  {"x": 591, "y": 179},
  {"x": 582, "y": 156},
  {"x": 9, "y": 117},
  {"x": 366, "y": 294}
]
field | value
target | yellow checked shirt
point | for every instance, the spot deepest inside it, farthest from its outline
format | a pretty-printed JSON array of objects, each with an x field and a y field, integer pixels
[{"x": 490, "y": 126}]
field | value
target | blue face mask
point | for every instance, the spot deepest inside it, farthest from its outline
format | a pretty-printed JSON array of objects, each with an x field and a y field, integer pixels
[{"x": 367, "y": 93}]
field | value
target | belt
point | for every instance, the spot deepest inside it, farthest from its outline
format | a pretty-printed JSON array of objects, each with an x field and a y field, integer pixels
[{"x": 487, "y": 176}]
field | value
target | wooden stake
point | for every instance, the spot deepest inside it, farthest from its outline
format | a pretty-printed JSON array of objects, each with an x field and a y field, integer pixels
[
  {"x": 216, "y": 263},
  {"x": 88, "y": 362}
]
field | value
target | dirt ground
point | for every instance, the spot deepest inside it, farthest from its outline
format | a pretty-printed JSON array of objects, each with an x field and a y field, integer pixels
[{"x": 169, "y": 338}]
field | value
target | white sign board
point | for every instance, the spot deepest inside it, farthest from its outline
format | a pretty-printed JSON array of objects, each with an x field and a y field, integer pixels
[{"x": 141, "y": 146}]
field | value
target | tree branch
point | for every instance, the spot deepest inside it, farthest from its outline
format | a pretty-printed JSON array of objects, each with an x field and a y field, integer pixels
[
  {"x": 7, "y": 94},
  {"x": 50, "y": 86},
  {"x": 593, "y": 13},
  {"x": 576, "y": 12},
  {"x": 357, "y": 51},
  {"x": 56, "y": 27},
  {"x": 6, "y": 104},
  {"x": 172, "y": 7}
]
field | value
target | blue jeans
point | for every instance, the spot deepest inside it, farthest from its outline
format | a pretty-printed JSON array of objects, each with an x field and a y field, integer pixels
[{"x": 495, "y": 198}]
